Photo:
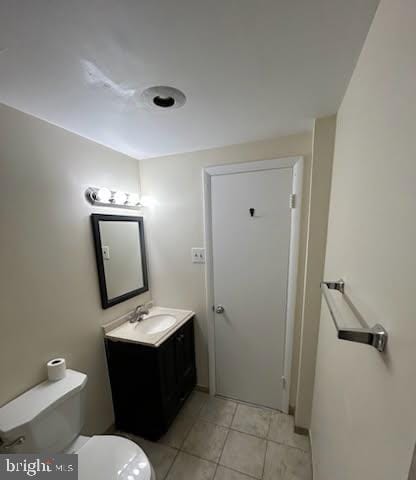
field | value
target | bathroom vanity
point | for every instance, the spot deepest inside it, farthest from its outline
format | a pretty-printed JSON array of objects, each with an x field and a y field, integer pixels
[{"x": 152, "y": 369}]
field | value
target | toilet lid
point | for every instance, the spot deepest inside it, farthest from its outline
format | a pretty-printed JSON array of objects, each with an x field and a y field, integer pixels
[{"x": 107, "y": 457}]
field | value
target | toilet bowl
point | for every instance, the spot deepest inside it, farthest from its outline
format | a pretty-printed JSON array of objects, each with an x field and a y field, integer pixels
[
  {"x": 110, "y": 457},
  {"x": 49, "y": 418}
]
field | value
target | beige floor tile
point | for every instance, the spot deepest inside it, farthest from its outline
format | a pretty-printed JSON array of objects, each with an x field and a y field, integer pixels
[
  {"x": 227, "y": 474},
  {"x": 253, "y": 420},
  {"x": 282, "y": 431},
  {"x": 188, "y": 467},
  {"x": 195, "y": 403},
  {"x": 206, "y": 440},
  {"x": 244, "y": 453},
  {"x": 178, "y": 431},
  {"x": 160, "y": 456},
  {"x": 219, "y": 411},
  {"x": 286, "y": 463}
]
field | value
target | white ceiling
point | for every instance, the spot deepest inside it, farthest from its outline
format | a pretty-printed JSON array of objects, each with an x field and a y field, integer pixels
[{"x": 251, "y": 69}]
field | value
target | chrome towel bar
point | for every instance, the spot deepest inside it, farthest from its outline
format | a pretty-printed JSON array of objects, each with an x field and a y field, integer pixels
[{"x": 375, "y": 336}]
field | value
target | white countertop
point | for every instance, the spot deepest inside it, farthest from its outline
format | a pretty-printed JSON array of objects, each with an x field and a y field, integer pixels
[{"x": 124, "y": 331}]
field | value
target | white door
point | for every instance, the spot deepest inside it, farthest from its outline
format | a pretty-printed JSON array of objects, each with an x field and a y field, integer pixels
[{"x": 250, "y": 273}]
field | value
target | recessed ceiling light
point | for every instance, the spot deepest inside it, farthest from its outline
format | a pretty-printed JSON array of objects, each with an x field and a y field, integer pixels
[{"x": 163, "y": 98}]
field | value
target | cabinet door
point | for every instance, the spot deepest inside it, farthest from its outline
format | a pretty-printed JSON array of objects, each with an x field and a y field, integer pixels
[
  {"x": 169, "y": 378},
  {"x": 134, "y": 378},
  {"x": 185, "y": 360},
  {"x": 188, "y": 349},
  {"x": 180, "y": 364}
]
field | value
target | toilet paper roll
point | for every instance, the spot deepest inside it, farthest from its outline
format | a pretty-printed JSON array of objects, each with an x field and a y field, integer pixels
[{"x": 56, "y": 369}]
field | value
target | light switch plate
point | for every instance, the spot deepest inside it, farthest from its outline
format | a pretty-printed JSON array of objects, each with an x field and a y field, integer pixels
[
  {"x": 106, "y": 252},
  {"x": 198, "y": 255}
]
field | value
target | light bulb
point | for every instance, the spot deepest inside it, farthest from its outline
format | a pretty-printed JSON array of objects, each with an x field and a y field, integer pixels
[
  {"x": 133, "y": 199},
  {"x": 103, "y": 195},
  {"x": 120, "y": 198}
]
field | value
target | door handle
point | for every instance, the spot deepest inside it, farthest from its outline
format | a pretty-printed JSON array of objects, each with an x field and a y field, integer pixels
[{"x": 219, "y": 309}]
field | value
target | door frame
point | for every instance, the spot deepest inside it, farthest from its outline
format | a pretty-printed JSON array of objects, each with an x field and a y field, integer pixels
[{"x": 296, "y": 163}]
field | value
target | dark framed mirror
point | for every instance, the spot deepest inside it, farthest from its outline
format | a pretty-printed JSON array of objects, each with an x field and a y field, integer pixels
[{"x": 121, "y": 257}]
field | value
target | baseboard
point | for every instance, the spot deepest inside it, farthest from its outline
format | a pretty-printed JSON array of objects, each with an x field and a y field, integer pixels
[
  {"x": 202, "y": 388},
  {"x": 312, "y": 459},
  {"x": 302, "y": 431}
]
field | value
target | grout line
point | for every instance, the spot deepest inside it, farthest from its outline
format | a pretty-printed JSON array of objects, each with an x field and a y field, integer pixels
[
  {"x": 222, "y": 450},
  {"x": 226, "y": 438},
  {"x": 215, "y": 471},
  {"x": 228, "y": 434},
  {"x": 264, "y": 460},
  {"x": 250, "y": 404},
  {"x": 265, "y": 437},
  {"x": 203, "y": 405},
  {"x": 187, "y": 433},
  {"x": 217, "y": 464},
  {"x": 269, "y": 427},
  {"x": 247, "y": 433},
  {"x": 234, "y": 414},
  {"x": 131, "y": 436},
  {"x": 289, "y": 446},
  {"x": 230, "y": 428},
  {"x": 197, "y": 456},
  {"x": 171, "y": 465},
  {"x": 240, "y": 472}
]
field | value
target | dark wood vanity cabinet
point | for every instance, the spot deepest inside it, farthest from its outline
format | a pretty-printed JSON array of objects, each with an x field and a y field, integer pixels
[{"x": 150, "y": 384}]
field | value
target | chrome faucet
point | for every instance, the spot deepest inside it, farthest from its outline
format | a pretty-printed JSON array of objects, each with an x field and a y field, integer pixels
[{"x": 139, "y": 312}]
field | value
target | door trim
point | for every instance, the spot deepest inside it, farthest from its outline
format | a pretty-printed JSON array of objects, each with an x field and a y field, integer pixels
[{"x": 296, "y": 163}]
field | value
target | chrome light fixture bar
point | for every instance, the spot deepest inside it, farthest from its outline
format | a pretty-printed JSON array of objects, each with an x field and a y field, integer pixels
[{"x": 104, "y": 197}]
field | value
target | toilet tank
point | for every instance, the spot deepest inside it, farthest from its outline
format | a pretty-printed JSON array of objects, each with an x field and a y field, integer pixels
[{"x": 47, "y": 418}]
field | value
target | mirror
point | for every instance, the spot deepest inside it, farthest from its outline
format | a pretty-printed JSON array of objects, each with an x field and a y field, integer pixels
[{"x": 121, "y": 257}]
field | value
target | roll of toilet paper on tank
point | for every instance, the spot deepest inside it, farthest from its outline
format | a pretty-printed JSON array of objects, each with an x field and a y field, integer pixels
[{"x": 56, "y": 369}]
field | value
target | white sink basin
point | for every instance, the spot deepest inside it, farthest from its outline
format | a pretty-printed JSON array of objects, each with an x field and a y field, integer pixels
[
  {"x": 153, "y": 330},
  {"x": 155, "y": 324}
]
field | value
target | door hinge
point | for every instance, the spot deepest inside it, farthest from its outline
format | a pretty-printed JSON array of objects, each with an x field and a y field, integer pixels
[
  {"x": 292, "y": 200},
  {"x": 284, "y": 383}
]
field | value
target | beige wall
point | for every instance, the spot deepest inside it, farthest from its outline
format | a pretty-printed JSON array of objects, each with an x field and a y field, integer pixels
[
  {"x": 175, "y": 225},
  {"x": 50, "y": 304},
  {"x": 364, "y": 415},
  {"x": 320, "y": 185}
]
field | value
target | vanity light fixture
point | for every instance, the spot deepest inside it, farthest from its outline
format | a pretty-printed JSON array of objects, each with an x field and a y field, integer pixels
[
  {"x": 120, "y": 198},
  {"x": 105, "y": 197}
]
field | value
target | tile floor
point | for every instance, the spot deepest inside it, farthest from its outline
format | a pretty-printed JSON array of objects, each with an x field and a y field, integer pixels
[{"x": 219, "y": 439}]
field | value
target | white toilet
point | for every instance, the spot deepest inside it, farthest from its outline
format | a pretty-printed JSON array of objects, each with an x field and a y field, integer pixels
[{"x": 49, "y": 418}]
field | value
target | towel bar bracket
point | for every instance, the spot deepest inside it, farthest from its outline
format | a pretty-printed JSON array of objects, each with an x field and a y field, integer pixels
[
  {"x": 375, "y": 336},
  {"x": 338, "y": 285}
]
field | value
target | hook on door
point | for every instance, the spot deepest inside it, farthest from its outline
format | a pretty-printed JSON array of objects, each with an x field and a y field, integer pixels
[{"x": 252, "y": 211}]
